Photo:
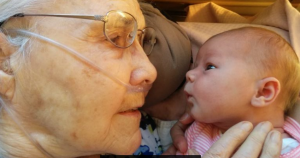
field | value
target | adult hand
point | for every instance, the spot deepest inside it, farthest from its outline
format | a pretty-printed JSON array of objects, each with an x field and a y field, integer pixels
[
  {"x": 177, "y": 133},
  {"x": 262, "y": 141}
]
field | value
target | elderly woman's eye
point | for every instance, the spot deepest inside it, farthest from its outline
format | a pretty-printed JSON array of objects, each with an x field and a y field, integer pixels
[
  {"x": 114, "y": 39},
  {"x": 131, "y": 35},
  {"x": 114, "y": 36},
  {"x": 209, "y": 66}
]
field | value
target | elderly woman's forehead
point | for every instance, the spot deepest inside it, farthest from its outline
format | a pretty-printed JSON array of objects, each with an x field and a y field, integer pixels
[
  {"x": 97, "y": 7},
  {"x": 130, "y": 6},
  {"x": 94, "y": 6}
]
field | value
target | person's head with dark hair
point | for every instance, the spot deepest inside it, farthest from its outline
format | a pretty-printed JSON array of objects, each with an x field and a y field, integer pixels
[{"x": 171, "y": 56}]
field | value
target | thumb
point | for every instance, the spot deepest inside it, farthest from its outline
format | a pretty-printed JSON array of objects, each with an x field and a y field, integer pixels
[
  {"x": 186, "y": 119},
  {"x": 192, "y": 152},
  {"x": 170, "y": 151}
]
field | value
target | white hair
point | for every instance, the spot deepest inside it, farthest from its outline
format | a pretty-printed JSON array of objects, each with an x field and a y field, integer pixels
[{"x": 8, "y": 8}]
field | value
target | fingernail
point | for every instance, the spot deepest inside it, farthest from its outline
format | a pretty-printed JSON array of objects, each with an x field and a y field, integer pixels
[
  {"x": 275, "y": 136},
  {"x": 185, "y": 116},
  {"x": 192, "y": 152},
  {"x": 265, "y": 126},
  {"x": 247, "y": 126}
]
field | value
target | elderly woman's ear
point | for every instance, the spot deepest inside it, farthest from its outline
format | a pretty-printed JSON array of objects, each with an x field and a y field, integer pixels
[{"x": 7, "y": 82}]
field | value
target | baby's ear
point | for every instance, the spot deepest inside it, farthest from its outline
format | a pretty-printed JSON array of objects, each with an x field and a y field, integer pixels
[
  {"x": 7, "y": 80},
  {"x": 266, "y": 92}
]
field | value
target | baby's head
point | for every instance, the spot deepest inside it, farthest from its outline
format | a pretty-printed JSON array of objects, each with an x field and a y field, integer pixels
[
  {"x": 270, "y": 55},
  {"x": 242, "y": 67}
]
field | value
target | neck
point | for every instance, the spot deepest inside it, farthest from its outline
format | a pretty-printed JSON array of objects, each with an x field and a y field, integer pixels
[
  {"x": 275, "y": 116},
  {"x": 14, "y": 142}
]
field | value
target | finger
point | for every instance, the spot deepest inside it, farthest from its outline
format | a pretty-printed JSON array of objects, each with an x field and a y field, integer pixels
[
  {"x": 180, "y": 127},
  {"x": 177, "y": 132},
  {"x": 186, "y": 119},
  {"x": 254, "y": 143},
  {"x": 231, "y": 139},
  {"x": 192, "y": 152},
  {"x": 179, "y": 140},
  {"x": 170, "y": 151},
  {"x": 272, "y": 145}
]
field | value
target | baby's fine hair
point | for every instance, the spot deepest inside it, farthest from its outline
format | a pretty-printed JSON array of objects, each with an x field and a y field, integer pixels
[{"x": 272, "y": 56}]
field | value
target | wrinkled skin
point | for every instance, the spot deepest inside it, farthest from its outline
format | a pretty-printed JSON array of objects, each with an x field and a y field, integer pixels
[{"x": 73, "y": 109}]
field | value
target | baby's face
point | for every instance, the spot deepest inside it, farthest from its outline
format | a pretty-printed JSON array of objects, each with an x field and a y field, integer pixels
[{"x": 220, "y": 86}]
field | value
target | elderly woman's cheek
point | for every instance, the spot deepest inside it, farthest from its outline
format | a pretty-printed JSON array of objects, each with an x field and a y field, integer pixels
[{"x": 67, "y": 90}]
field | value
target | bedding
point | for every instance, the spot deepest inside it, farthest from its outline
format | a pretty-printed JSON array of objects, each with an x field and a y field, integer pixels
[{"x": 207, "y": 19}]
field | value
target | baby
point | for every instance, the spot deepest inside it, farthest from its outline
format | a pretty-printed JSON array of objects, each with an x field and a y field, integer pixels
[{"x": 246, "y": 74}]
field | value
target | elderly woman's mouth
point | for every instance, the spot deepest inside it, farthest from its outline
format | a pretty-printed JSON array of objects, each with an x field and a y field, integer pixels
[
  {"x": 130, "y": 110},
  {"x": 133, "y": 111}
]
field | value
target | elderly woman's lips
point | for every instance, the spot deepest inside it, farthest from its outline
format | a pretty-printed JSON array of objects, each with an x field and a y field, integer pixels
[
  {"x": 131, "y": 112},
  {"x": 130, "y": 109}
]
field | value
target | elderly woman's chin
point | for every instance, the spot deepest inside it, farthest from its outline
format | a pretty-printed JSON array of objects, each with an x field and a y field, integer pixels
[
  {"x": 129, "y": 146},
  {"x": 117, "y": 137},
  {"x": 126, "y": 137}
]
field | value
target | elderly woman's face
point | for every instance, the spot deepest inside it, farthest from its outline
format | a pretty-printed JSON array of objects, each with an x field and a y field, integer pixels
[{"x": 78, "y": 106}]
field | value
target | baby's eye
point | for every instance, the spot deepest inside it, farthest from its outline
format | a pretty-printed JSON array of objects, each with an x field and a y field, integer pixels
[{"x": 208, "y": 67}]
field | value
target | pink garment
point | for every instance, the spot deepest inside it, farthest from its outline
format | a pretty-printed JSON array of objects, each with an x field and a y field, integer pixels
[{"x": 201, "y": 136}]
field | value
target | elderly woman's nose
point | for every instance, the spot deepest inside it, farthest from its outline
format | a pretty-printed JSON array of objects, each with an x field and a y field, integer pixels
[{"x": 144, "y": 72}]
